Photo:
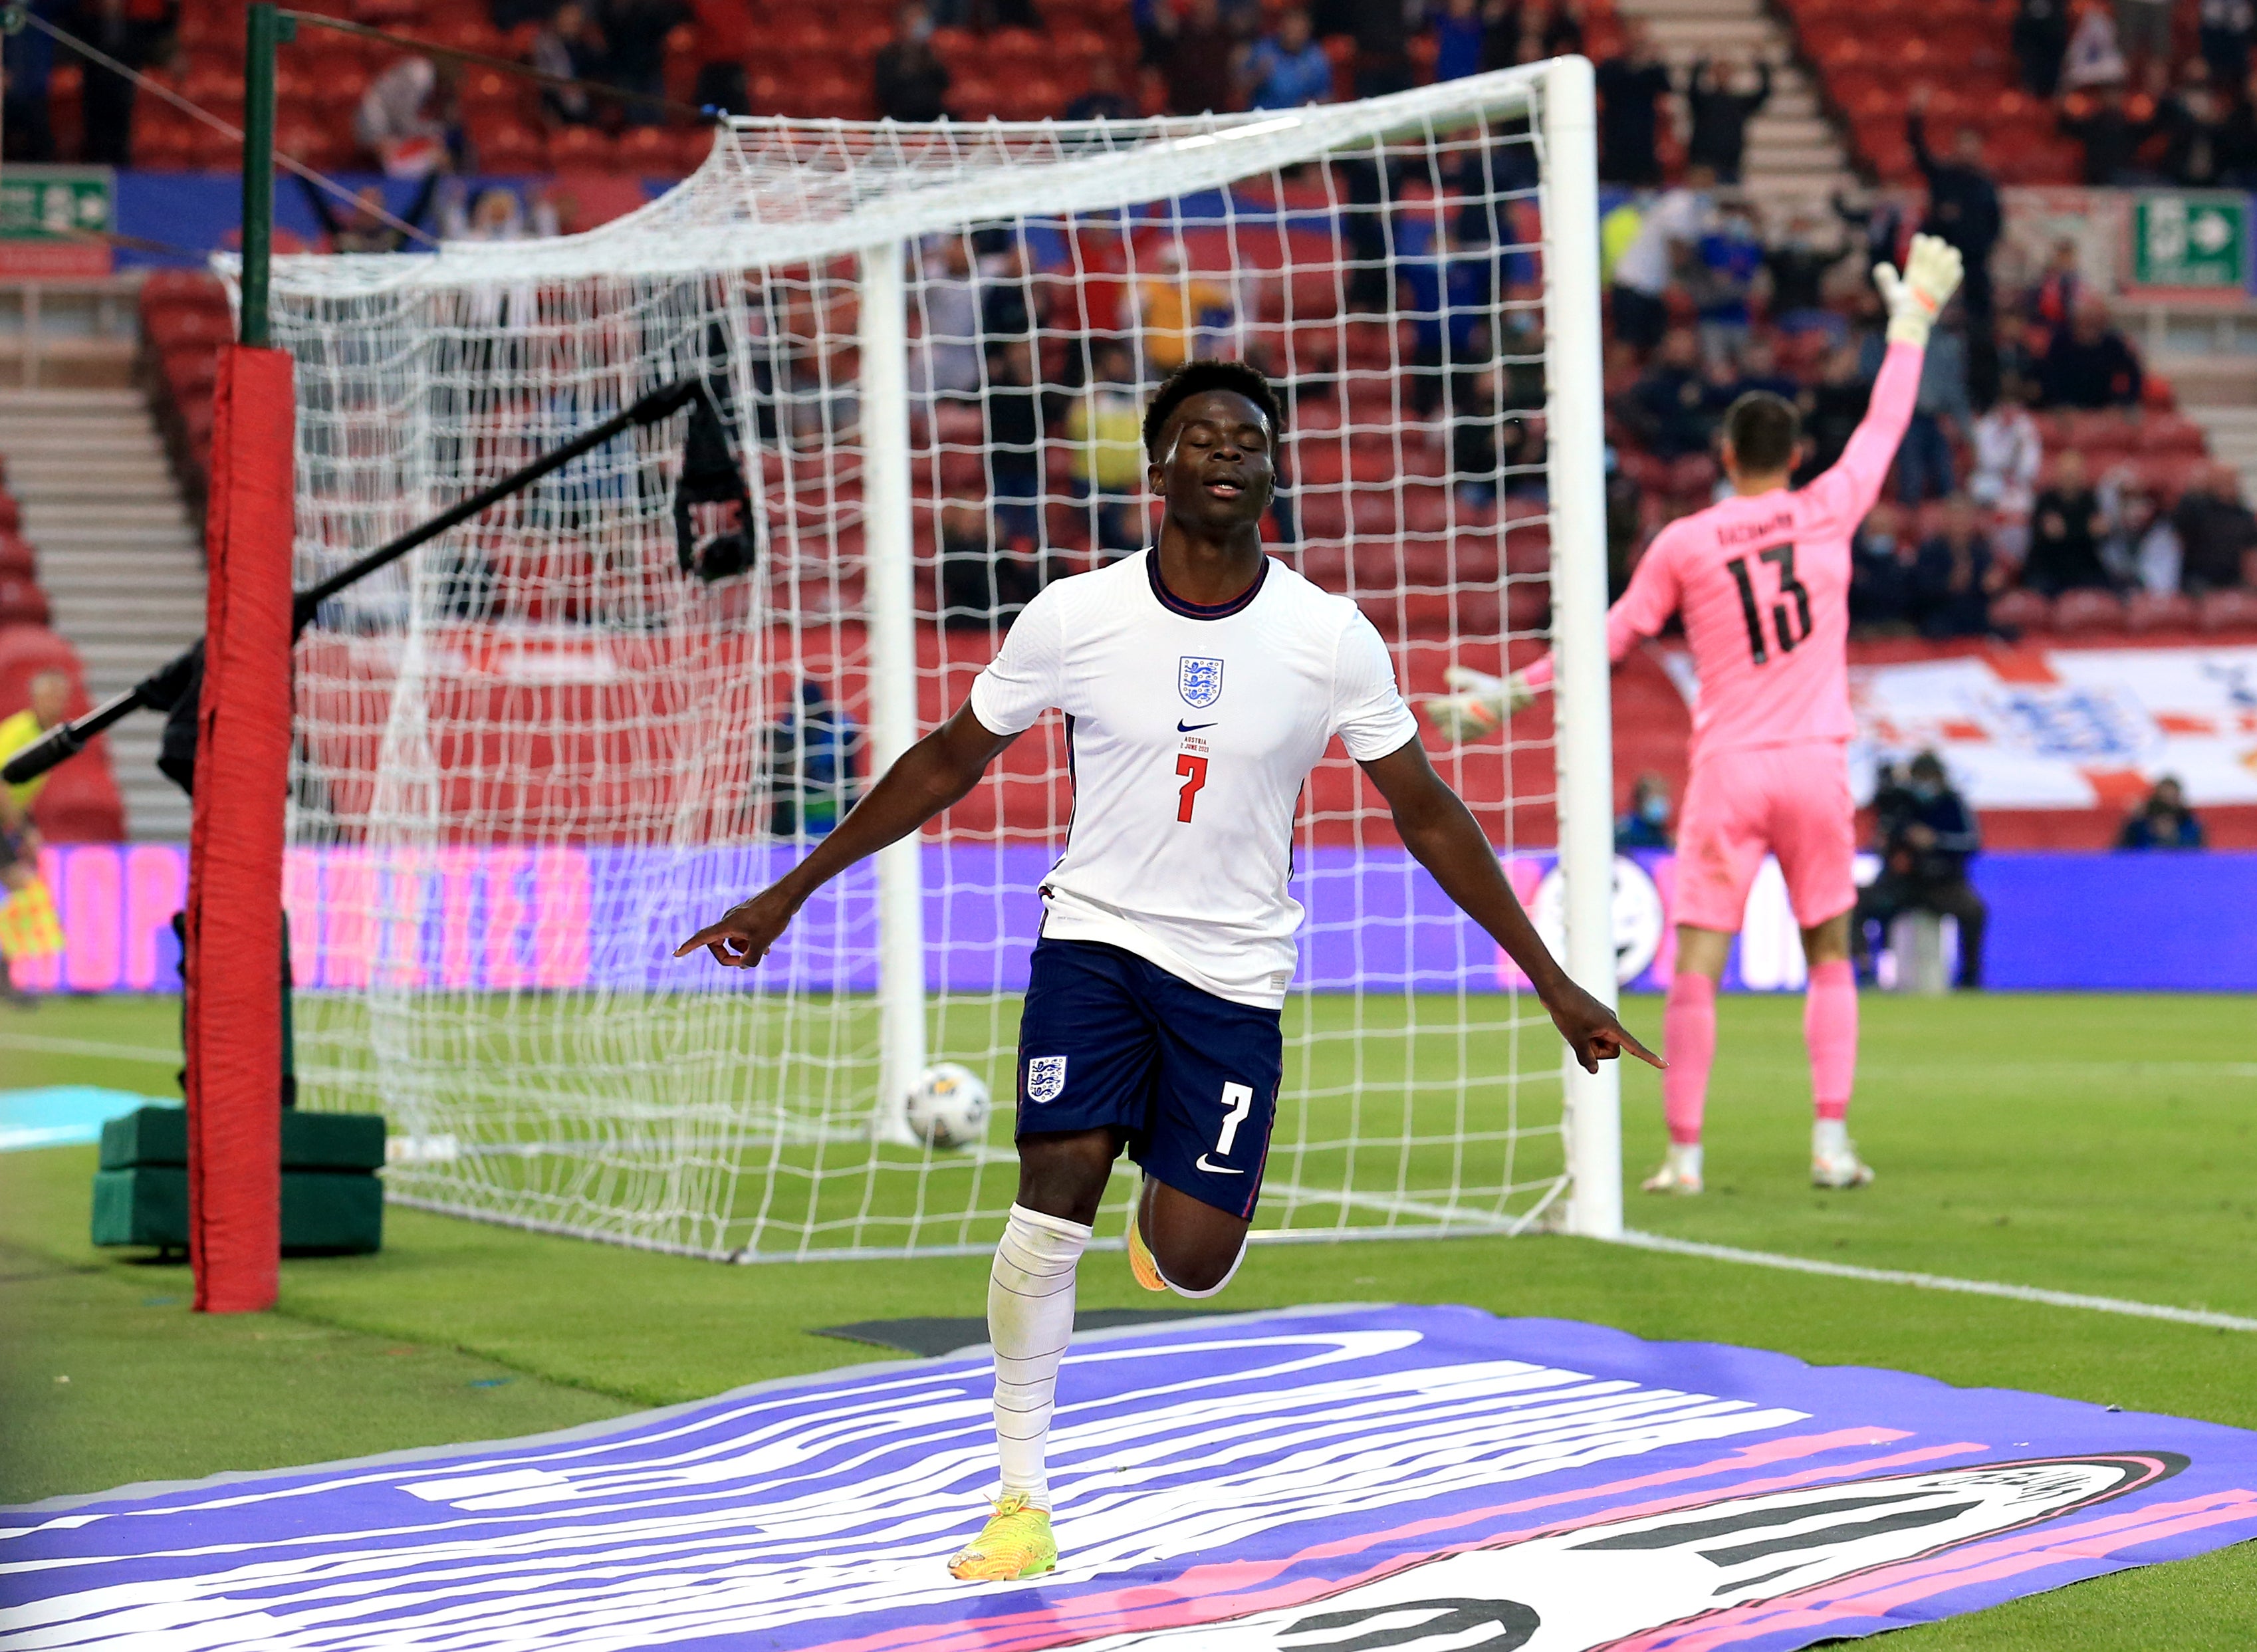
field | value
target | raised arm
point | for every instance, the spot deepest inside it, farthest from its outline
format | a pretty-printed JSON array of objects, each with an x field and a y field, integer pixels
[
  {"x": 1440, "y": 832},
  {"x": 931, "y": 775},
  {"x": 1914, "y": 299}
]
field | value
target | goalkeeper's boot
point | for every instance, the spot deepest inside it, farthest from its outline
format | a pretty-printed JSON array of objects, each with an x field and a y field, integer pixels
[
  {"x": 1839, "y": 1167},
  {"x": 1680, "y": 1172},
  {"x": 1147, "y": 1271},
  {"x": 1015, "y": 1543}
]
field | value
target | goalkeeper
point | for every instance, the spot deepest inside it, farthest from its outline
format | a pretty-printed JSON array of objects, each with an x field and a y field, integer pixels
[{"x": 1763, "y": 583}]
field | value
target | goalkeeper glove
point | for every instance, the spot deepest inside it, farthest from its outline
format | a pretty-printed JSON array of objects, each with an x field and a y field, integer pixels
[
  {"x": 1917, "y": 297},
  {"x": 1478, "y": 704}
]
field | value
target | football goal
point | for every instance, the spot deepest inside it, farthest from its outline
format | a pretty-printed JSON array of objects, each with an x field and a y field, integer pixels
[{"x": 532, "y": 757}]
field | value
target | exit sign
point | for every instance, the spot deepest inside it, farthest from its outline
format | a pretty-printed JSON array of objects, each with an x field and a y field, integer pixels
[
  {"x": 2189, "y": 239},
  {"x": 54, "y": 219}
]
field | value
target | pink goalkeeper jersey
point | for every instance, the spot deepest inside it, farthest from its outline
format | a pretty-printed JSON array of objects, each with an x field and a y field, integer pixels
[{"x": 1763, "y": 584}]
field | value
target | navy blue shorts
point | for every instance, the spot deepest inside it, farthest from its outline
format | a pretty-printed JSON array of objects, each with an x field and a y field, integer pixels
[{"x": 1109, "y": 1040}]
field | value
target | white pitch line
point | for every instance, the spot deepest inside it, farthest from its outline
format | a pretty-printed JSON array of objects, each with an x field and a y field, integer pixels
[
  {"x": 1938, "y": 1281},
  {"x": 82, "y": 1047}
]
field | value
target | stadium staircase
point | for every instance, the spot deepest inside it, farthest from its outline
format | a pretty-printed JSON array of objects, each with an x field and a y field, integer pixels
[
  {"x": 119, "y": 560},
  {"x": 1793, "y": 147}
]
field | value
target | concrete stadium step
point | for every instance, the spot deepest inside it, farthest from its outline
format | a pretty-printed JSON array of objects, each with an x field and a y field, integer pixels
[
  {"x": 2233, "y": 435},
  {"x": 120, "y": 558}
]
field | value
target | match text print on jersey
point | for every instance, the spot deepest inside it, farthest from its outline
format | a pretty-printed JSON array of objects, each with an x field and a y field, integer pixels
[
  {"x": 1790, "y": 627},
  {"x": 1192, "y": 768},
  {"x": 1240, "y": 1099}
]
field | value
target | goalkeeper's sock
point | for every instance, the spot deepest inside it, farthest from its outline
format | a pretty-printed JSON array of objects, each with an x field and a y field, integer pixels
[
  {"x": 1689, "y": 1038},
  {"x": 1030, "y": 1322},
  {"x": 1829, "y": 1030}
]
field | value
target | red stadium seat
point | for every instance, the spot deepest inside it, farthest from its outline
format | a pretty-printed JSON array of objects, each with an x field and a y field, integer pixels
[
  {"x": 2082, "y": 612},
  {"x": 2227, "y": 610},
  {"x": 17, "y": 559},
  {"x": 2020, "y": 610},
  {"x": 2166, "y": 610},
  {"x": 583, "y": 149},
  {"x": 512, "y": 146},
  {"x": 2170, "y": 433}
]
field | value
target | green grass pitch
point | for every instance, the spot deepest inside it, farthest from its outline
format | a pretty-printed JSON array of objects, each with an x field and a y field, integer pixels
[{"x": 2101, "y": 1146}]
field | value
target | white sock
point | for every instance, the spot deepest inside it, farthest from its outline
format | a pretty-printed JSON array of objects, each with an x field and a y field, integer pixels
[
  {"x": 1686, "y": 1161},
  {"x": 1214, "y": 1289},
  {"x": 1829, "y": 1138},
  {"x": 1030, "y": 1322}
]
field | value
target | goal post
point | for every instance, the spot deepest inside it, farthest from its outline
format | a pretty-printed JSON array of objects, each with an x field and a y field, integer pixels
[
  {"x": 532, "y": 757},
  {"x": 1583, "y": 720}
]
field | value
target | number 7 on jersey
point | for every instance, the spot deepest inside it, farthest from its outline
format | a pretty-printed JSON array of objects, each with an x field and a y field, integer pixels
[{"x": 1191, "y": 768}]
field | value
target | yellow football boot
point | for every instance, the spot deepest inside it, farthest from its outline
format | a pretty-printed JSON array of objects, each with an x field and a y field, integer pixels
[
  {"x": 1141, "y": 1264},
  {"x": 1015, "y": 1543}
]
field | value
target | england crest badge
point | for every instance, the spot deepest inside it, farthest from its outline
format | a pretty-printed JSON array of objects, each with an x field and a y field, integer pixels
[
  {"x": 1199, "y": 681},
  {"x": 1045, "y": 1077}
]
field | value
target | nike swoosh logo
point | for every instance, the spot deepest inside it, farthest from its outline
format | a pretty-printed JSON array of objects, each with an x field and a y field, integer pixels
[
  {"x": 1191, "y": 728},
  {"x": 1216, "y": 1169}
]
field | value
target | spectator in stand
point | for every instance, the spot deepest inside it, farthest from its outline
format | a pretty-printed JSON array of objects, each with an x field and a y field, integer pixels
[
  {"x": 1461, "y": 32},
  {"x": 2228, "y": 28},
  {"x": 405, "y": 117},
  {"x": 2143, "y": 31},
  {"x": 1178, "y": 310},
  {"x": 358, "y": 228},
  {"x": 1106, "y": 428},
  {"x": 2066, "y": 523},
  {"x": 1927, "y": 835},
  {"x": 1646, "y": 824},
  {"x": 1963, "y": 208},
  {"x": 908, "y": 76},
  {"x": 944, "y": 357},
  {"x": 1013, "y": 409},
  {"x": 2009, "y": 452},
  {"x": 2041, "y": 41},
  {"x": 1286, "y": 68},
  {"x": 1383, "y": 46},
  {"x": 2090, "y": 366},
  {"x": 2059, "y": 289},
  {"x": 1831, "y": 409},
  {"x": 1630, "y": 87},
  {"x": 2196, "y": 123},
  {"x": 569, "y": 46},
  {"x": 636, "y": 31},
  {"x": 2095, "y": 58},
  {"x": 2111, "y": 137},
  {"x": 1197, "y": 58},
  {"x": 136, "y": 33},
  {"x": 1557, "y": 32},
  {"x": 1941, "y": 415},
  {"x": 2164, "y": 821},
  {"x": 726, "y": 40},
  {"x": 1884, "y": 574},
  {"x": 2142, "y": 550},
  {"x": 1798, "y": 267},
  {"x": 2217, "y": 533},
  {"x": 981, "y": 585},
  {"x": 497, "y": 215},
  {"x": 27, "y": 62},
  {"x": 1760, "y": 369},
  {"x": 1956, "y": 576},
  {"x": 1103, "y": 99},
  {"x": 1642, "y": 273},
  {"x": 1722, "y": 104},
  {"x": 1673, "y": 407},
  {"x": 1724, "y": 279}
]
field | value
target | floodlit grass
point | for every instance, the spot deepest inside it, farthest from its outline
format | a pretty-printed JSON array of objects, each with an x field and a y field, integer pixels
[{"x": 2094, "y": 1144}]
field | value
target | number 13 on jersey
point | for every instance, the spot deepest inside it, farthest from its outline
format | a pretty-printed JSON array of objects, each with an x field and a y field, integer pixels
[{"x": 1191, "y": 768}]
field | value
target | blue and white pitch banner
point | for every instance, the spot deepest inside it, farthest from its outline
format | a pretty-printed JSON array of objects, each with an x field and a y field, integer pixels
[{"x": 1433, "y": 1479}]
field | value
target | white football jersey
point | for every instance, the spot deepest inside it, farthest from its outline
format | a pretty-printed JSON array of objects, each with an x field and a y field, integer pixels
[{"x": 1190, "y": 731}]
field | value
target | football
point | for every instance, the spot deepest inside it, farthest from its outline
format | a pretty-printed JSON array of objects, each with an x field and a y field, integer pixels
[{"x": 949, "y": 1107}]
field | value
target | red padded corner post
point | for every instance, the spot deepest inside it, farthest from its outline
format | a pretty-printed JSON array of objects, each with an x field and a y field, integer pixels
[{"x": 234, "y": 962}]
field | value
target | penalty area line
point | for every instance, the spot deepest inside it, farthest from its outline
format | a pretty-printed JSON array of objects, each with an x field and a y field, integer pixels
[
  {"x": 1936, "y": 1281},
  {"x": 86, "y": 1046}
]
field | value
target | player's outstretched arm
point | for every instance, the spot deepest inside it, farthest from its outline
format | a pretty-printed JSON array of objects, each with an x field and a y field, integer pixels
[
  {"x": 932, "y": 775},
  {"x": 1440, "y": 831}
]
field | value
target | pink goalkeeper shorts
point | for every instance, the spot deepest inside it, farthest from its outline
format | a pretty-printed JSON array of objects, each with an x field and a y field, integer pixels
[{"x": 1789, "y": 800}]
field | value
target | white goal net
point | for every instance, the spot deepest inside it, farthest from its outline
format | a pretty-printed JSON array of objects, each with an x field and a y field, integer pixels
[{"x": 536, "y": 754}]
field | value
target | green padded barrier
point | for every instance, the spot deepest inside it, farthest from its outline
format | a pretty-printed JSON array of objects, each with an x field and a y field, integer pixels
[
  {"x": 322, "y": 1210},
  {"x": 310, "y": 1141}
]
